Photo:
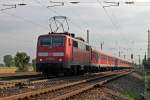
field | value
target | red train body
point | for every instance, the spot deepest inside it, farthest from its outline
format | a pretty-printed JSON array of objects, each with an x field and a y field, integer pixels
[{"x": 62, "y": 53}]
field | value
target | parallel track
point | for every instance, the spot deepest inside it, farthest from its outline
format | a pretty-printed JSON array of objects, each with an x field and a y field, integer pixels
[
  {"x": 76, "y": 89},
  {"x": 4, "y": 84},
  {"x": 59, "y": 89}
]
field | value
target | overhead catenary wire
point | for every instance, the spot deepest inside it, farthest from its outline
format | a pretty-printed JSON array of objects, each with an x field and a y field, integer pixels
[
  {"x": 24, "y": 19},
  {"x": 113, "y": 21},
  {"x": 116, "y": 26},
  {"x": 81, "y": 2},
  {"x": 19, "y": 17},
  {"x": 7, "y": 8},
  {"x": 58, "y": 14},
  {"x": 109, "y": 17},
  {"x": 11, "y": 6}
]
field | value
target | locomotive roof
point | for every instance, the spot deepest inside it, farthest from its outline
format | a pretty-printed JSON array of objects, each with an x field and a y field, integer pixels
[
  {"x": 53, "y": 34},
  {"x": 62, "y": 34}
]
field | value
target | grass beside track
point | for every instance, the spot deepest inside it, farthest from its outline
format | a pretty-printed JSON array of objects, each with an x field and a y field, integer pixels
[
  {"x": 148, "y": 75},
  {"x": 4, "y": 70},
  {"x": 132, "y": 95}
]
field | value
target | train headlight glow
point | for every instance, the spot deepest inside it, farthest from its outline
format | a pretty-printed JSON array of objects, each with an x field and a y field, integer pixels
[
  {"x": 41, "y": 59},
  {"x": 43, "y": 54},
  {"x": 58, "y": 54},
  {"x": 60, "y": 60}
]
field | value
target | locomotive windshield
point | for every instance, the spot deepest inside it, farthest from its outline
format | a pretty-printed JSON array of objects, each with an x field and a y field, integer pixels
[{"x": 51, "y": 41}]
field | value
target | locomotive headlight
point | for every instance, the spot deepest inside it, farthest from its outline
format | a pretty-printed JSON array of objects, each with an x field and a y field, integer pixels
[
  {"x": 58, "y": 53},
  {"x": 60, "y": 60},
  {"x": 43, "y": 54},
  {"x": 41, "y": 59}
]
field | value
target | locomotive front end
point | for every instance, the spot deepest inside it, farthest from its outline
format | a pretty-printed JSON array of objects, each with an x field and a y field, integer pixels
[{"x": 50, "y": 54}]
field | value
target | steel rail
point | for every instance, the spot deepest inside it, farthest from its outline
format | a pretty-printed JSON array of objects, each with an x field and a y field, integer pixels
[
  {"x": 52, "y": 87},
  {"x": 45, "y": 90},
  {"x": 81, "y": 90},
  {"x": 13, "y": 83}
]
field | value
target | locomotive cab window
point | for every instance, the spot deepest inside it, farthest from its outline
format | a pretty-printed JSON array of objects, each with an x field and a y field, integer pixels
[
  {"x": 45, "y": 41},
  {"x": 51, "y": 41},
  {"x": 58, "y": 41}
]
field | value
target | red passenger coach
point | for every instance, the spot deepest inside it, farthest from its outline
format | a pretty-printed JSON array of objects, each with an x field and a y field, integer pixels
[{"x": 62, "y": 53}]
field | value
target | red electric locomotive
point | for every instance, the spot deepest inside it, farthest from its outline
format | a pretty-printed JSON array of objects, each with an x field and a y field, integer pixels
[{"x": 62, "y": 53}]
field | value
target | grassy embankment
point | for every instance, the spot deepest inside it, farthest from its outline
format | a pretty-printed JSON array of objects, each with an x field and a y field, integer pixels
[
  {"x": 148, "y": 75},
  {"x": 4, "y": 70},
  {"x": 132, "y": 95}
]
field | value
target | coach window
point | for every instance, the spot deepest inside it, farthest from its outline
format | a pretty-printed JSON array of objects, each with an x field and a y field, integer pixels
[
  {"x": 83, "y": 47},
  {"x": 75, "y": 44},
  {"x": 87, "y": 48},
  {"x": 97, "y": 56},
  {"x": 79, "y": 45},
  {"x": 104, "y": 57}
]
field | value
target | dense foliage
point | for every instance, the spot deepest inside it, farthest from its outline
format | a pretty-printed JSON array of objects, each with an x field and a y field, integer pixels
[
  {"x": 21, "y": 60},
  {"x": 8, "y": 60}
]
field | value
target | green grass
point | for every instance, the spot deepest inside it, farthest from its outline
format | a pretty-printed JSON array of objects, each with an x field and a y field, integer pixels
[
  {"x": 131, "y": 95},
  {"x": 148, "y": 76}
]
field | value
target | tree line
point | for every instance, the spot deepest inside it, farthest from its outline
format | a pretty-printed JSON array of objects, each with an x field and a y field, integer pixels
[{"x": 20, "y": 60}]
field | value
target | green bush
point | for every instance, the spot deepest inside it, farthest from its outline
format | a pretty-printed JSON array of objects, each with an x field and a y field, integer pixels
[{"x": 21, "y": 61}]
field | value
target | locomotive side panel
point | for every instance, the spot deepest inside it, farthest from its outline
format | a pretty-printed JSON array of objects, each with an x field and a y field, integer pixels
[
  {"x": 68, "y": 52},
  {"x": 81, "y": 54}
]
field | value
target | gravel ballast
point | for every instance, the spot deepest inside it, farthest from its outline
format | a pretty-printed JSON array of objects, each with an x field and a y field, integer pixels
[{"x": 129, "y": 87}]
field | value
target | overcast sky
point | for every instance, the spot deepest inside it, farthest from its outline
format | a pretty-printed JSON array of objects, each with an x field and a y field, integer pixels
[{"x": 121, "y": 28}]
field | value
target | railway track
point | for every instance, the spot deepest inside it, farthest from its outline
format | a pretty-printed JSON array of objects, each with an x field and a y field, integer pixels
[
  {"x": 76, "y": 89},
  {"x": 19, "y": 75},
  {"x": 58, "y": 88},
  {"x": 27, "y": 85},
  {"x": 4, "y": 84},
  {"x": 26, "y": 80},
  {"x": 98, "y": 93}
]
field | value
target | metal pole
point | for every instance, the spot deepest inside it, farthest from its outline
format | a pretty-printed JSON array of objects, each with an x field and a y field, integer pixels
[
  {"x": 124, "y": 56},
  {"x": 119, "y": 54},
  {"x": 145, "y": 90},
  {"x": 139, "y": 60},
  {"x": 88, "y": 36},
  {"x": 102, "y": 43},
  {"x": 148, "y": 44},
  {"x": 145, "y": 68}
]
